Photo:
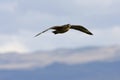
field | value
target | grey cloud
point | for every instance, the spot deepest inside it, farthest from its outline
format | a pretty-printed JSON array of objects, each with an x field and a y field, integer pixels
[
  {"x": 71, "y": 8},
  {"x": 36, "y": 15},
  {"x": 70, "y": 57},
  {"x": 91, "y": 14}
]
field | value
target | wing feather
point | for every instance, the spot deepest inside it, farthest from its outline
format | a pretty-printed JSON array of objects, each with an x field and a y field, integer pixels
[
  {"x": 54, "y": 27},
  {"x": 81, "y": 28},
  {"x": 41, "y": 32}
]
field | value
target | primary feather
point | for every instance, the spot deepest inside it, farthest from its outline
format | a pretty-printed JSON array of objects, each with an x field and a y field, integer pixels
[
  {"x": 41, "y": 32},
  {"x": 54, "y": 27},
  {"x": 81, "y": 28}
]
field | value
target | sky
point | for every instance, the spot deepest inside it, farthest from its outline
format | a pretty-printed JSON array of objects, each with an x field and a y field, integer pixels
[{"x": 20, "y": 20}]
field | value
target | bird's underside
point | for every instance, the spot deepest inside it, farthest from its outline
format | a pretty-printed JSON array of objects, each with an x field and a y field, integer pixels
[{"x": 64, "y": 28}]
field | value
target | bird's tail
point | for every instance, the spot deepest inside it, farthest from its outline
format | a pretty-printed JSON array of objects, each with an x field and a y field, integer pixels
[{"x": 55, "y": 32}]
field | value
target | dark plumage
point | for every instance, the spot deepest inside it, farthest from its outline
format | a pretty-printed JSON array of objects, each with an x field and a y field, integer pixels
[{"x": 65, "y": 28}]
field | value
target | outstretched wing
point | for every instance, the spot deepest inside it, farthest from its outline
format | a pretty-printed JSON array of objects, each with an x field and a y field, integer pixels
[
  {"x": 81, "y": 28},
  {"x": 54, "y": 27},
  {"x": 41, "y": 32}
]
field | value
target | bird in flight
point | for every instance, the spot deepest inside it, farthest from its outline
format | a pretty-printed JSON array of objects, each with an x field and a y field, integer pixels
[{"x": 64, "y": 28}]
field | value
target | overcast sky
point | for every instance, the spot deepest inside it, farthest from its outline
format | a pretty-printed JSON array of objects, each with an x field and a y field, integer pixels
[{"x": 20, "y": 20}]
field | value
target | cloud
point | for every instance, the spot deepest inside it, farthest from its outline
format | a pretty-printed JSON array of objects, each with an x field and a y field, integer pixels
[
  {"x": 100, "y": 3},
  {"x": 24, "y": 40},
  {"x": 68, "y": 57},
  {"x": 16, "y": 66},
  {"x": 108, "y": 36},
  {"x": 99, "y": 55},
  {"x": 11, "y": 44},
  {"x": 116, "y": 31},
  {"x": 13, "y": 47},
  {"x": 31, "y": 17},
  {"x": 8, "y": 6},
  {"x": 73, "y": 8}
]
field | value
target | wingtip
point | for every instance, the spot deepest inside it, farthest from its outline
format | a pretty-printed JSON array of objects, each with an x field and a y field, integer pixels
[
  {"x": 90, "y": 33},
  {"x": 35, "y": 36}
]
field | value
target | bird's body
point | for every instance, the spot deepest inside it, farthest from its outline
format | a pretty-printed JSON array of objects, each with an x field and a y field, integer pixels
[
  {"x": 64, "y": 28},
  {"x": 61, "y": 29}
]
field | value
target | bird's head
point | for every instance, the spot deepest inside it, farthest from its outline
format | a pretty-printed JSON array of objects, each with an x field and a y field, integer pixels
[{"x": 68, "y": 25}]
